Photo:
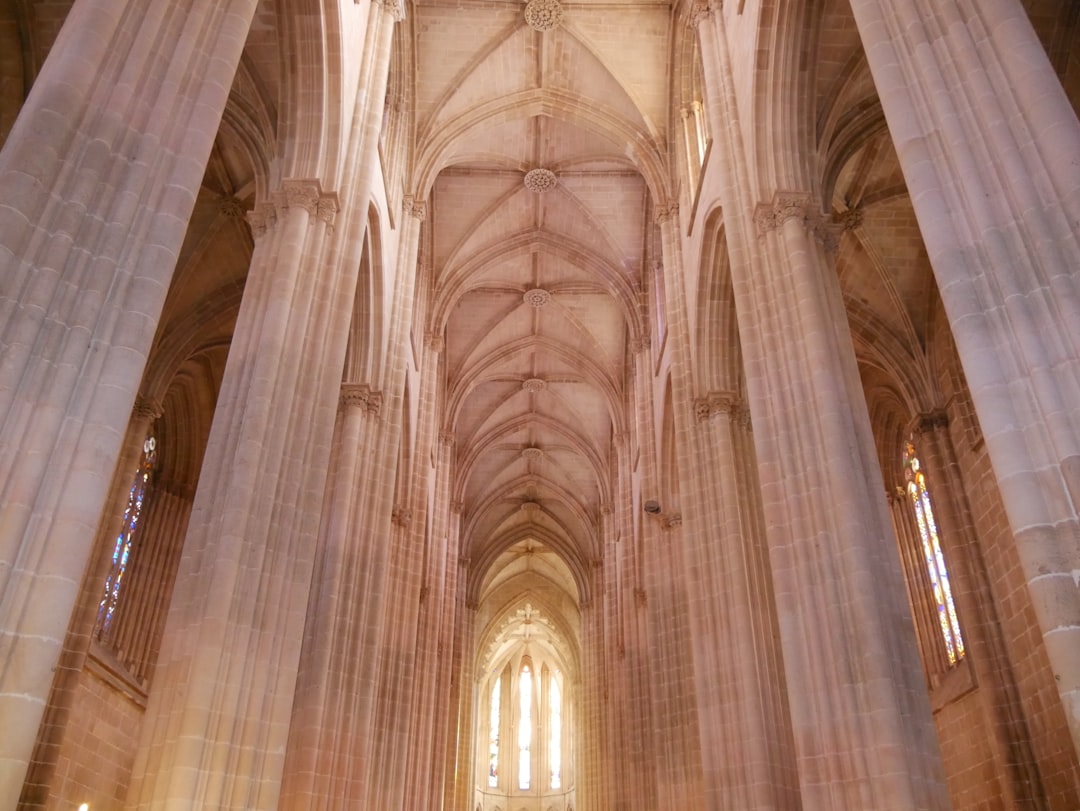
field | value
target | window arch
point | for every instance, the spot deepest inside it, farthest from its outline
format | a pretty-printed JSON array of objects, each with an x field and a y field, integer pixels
[
  {"x": 525, "y": 724},
  {"x": 936, "y": 570}
]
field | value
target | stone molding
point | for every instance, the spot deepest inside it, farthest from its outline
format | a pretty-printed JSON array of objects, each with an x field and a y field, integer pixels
[
  {"x": 362, "y": 396},
  {"x": 796, "y": 205}
]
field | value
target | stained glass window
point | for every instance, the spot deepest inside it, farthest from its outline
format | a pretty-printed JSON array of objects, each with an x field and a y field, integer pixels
[
  {"x": 555, "y": 732},
  {"x": 126, "y": 538},
  {"x": 935, "y": 560},
  {"x": 525, "y": 729},
  {"x": 493, "y": 737}
]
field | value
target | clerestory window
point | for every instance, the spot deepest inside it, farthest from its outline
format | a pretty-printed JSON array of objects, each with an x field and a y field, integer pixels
[
  {"x": 126, "y": 538},
  {"x": 936, "y": 570}
]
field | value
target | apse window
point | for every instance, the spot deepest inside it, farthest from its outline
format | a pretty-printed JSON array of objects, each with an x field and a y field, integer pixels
[
  {"x": 555, "y": 731},
  {"x": 934, "y": 558},
  {"x": 525, "y": 728},
  {"x": 493, "y": 736}
]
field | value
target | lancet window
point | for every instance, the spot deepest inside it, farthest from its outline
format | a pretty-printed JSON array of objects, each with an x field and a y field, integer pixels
[
  {"x": 936, "y": 570},
  {"x": 126, "y": 538}
]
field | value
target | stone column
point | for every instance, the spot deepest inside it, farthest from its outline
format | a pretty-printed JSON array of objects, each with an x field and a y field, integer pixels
[
  {"x": 747, "y": 744},
  {"x": 397, "y": 631},
  {"x": 218, "y": 714},
  {"x": 100, "y": 174},
  {"x": 332, "y": 759},
  {"x": 439, "y": 603},
  {"x": 674, "y": 689},
  {"x": 988, "y": 142},
  {"x": 861, "y": 719},
  {"x": 80, "y": 633},
  {"x": 863, "y": 733},
  {"x": 745, "y": 735}
]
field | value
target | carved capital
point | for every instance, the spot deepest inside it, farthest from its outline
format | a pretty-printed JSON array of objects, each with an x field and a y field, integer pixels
[
  {"x": 666, "y": 212},
  {"x": 361, "y": 396},
  {"x": 417, "y": 209},
  {"x": 673, "y": 521},
  {"x": 447, "y": 439},
  {"x": 930, "y": 422},
  {"x": 716, "y": 403},
  {"x": 457, "y": 507},
  {"x": 639, "y": 343},
  {"x": 434, "y": 343},
  {"x": 794, "y": 205},
  {"x": 146, "y": 408},
  {"x": 401, "y": 516},
  {"x": 395, "y": 8},
  {"x": 262, "y": 218},
  {"x": 327, "y": 208},
  {"x": 303, "y": 194},
  {"x": 700, "y": 10}
]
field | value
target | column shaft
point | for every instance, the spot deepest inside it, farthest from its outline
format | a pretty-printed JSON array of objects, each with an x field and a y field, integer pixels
[
  {"x": 988, "y": 141},
  {"x": 100, "y": 174}
]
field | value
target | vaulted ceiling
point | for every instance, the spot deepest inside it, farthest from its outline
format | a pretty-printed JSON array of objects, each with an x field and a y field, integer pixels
[
  {"x": 541, "y": 141},
  {"x": 539, "y": 224}
]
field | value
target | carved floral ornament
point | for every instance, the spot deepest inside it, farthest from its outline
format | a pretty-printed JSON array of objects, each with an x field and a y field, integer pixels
[
  {"x": 798, "y": 206},
  {"x": 532, "y": 454},
  {"x": 534, "y": 384},
  {"x": 361, "y": 396},
  {"x": 715, "y": 404},
  {"x": 701, "y": 9},
  {"x": 537, "y": 297},
  {"x": 540, "y": 180},
  {"x": 543, "y": 15},
  {"x": 306, "y": 194}
]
